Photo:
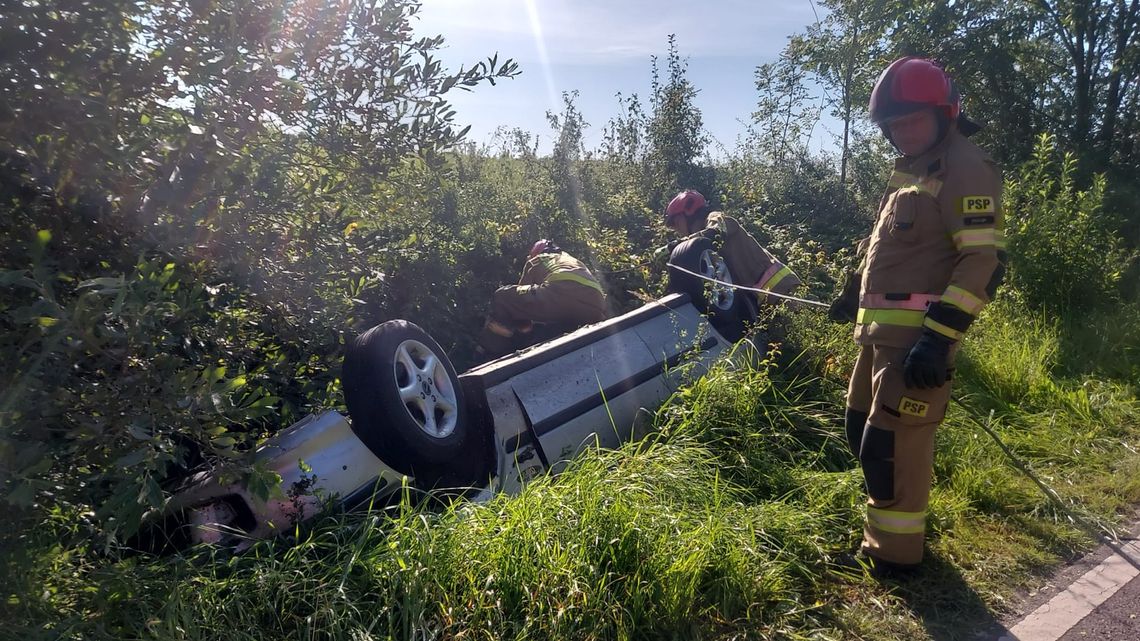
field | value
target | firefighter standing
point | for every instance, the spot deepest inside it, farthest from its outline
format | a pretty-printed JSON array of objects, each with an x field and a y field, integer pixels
[
  {"x": 690, "y": 215},
  {"x": 555, "y": 289},
  {"x": 935, "y": 257}
]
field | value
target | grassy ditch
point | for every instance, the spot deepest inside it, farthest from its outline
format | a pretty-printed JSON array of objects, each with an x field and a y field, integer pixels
[{"x": 720, "y": 526}]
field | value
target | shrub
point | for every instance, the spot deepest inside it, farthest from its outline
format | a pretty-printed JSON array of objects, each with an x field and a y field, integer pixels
[
  {"x": 1065, "y": 253},
  {"x": 113, "y": 384}
]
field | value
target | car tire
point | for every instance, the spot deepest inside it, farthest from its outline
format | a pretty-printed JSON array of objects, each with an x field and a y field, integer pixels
[
  {"x": 408, "y": 407},
  {"x": 729, "y": 310}
]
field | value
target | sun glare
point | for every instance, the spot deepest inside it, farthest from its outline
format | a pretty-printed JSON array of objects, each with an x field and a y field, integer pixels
[{"x": 543, "y": 58}]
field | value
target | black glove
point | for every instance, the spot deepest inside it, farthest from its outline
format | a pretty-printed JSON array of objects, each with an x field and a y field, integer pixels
[
  {"x": 845, "y": 307},
  {"x": 927, "y": 364}
]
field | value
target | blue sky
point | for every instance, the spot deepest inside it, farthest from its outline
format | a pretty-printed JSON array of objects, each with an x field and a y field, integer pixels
[{"x": 601, "y": 47}]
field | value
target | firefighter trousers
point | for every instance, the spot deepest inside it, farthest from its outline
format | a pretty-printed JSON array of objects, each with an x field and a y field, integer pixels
[{"x": 890, "y": 428}]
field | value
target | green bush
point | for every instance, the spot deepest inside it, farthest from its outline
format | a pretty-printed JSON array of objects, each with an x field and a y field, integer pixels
[
  {"x": 116, "y": 384},
  {"x": 1065, "y": 255}
]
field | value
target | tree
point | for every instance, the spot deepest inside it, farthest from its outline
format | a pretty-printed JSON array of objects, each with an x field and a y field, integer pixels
[
  {"x": 173, "y": 94},
  {"x": 786, "y": 112},
  {"x": 196, "y": 198},
  {"x": 675, "y": 129},
  {"x": 567, "y": 153},
  {"x": 842, "y": 51}
]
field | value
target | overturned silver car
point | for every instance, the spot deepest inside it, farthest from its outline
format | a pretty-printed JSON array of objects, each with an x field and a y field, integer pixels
[{"x": 413, "y": 421}]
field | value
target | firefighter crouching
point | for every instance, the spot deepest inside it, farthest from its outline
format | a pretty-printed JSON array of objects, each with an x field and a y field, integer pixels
[
  {"x": 556, "y": 289},
  {"x": 934, "y": 258}
]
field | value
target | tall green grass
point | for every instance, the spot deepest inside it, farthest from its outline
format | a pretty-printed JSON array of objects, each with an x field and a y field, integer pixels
[{"x": 645, "y": 542}]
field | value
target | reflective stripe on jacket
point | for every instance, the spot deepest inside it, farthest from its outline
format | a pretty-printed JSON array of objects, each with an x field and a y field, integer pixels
[{"x": 554, "y": 267}]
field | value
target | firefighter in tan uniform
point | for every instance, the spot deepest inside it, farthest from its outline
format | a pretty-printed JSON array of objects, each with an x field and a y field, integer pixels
[
  {"x": 689, "y": 214},
  {"x": 555, "y": 289},
  {"x": 934, "y": 259}
]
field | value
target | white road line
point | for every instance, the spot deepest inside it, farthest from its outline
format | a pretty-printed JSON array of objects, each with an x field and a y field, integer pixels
[{"x": 1052, "y": 620}]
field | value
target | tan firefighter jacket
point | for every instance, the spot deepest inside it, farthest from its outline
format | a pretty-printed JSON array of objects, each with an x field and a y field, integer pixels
[
  {"x": 936, "y": 254},
  {"x": 751, "y": 265},
  {"x": 558, "y": 267}
]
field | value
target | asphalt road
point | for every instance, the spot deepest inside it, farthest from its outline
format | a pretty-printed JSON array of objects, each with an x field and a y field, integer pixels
[
  {"x": 1117, "y": 619},
  {"x": 1098, "y": 597}
]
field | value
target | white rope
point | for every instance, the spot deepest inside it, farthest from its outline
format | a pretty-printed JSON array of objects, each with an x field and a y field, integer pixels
[{"x": 750, "y": 289}]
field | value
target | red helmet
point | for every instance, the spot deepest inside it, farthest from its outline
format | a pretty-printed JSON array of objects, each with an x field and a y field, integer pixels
[
  {"x": 910, "y": 84},
  {"x": 541, "y": 247},
  {"x": 687, "y": 203}
]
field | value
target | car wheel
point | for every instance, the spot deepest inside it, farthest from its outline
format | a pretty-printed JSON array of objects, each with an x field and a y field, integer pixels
[
  {"x": 408, "y": 407},
  {"x": 729, "y": 310}
]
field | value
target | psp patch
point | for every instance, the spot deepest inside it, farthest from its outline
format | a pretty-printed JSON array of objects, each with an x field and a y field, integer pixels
[
  {"x": 977, "y": 204},
  {"x": 913, "y": 407}
]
